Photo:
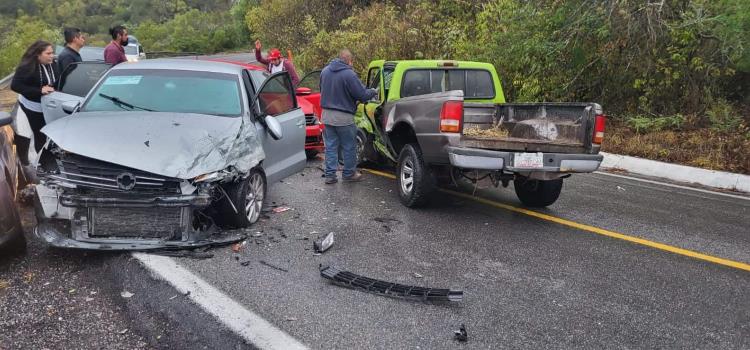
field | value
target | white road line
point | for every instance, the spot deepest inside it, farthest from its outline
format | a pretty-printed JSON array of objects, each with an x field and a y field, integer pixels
[
  {"x": 242, "y": 321},
  {"x": 673, "y": 185}
]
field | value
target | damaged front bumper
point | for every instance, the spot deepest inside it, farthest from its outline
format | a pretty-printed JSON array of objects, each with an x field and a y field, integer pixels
[
  {"x": 88, "y": 204},
  {"x": 117, "y": 223}
]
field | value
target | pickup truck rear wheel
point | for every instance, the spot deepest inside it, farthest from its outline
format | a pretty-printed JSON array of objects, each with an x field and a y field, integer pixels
[
  {"x": 246, "y": 197},
  {"x": 415, "y": 180},
  {"x": 537, "y": 193}
]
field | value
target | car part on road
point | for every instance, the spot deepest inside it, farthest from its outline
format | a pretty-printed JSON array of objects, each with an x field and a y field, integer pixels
[
  {"x": 460, "y": 334},
  {"x": 322, "y": 244},
  {"x": 354, "y": 281},
  {"x": 278, "y": 210},
  {"x": 273, "y": 266}
]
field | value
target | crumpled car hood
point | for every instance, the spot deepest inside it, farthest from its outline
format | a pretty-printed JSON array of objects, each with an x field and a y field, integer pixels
[{"x": 178, "y": 145}]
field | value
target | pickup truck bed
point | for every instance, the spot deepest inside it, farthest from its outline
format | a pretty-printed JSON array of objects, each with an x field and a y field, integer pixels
[{"x": 529, "y": 127}]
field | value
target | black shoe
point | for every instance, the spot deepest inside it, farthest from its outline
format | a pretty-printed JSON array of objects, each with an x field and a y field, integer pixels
[{"x": 331, "y": 180}]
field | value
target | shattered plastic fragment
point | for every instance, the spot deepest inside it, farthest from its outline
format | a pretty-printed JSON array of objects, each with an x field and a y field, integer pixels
[
  {"x": 238, "y": 246},
  {"x": 354, "y": 281},
  {"x": 460, "y": 334},
  {"x": 273, "y": 266},
  {"x": 126, "y": 294},
  {"x": 281, "y": 209},
  {"x": 323, "y": 243}
]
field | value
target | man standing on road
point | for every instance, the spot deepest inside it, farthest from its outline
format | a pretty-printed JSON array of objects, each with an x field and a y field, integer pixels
[
  {"x": 74, "y": 41},
  {"x": 114, "y": 53},
  {"x": 275, "y": 63},
  {"x": 340, "y": 89}
]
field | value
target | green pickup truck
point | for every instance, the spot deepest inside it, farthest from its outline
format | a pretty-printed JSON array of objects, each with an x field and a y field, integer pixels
[{"x": 440, "y": 121}]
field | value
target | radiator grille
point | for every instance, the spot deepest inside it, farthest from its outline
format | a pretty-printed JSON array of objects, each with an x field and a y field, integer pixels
[{"x": 159, "y": 223}]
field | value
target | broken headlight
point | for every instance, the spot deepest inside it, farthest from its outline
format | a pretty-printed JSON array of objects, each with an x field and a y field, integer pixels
[
  {"x": 221, "y": 175},
  {"x": 210, "y": 177}
]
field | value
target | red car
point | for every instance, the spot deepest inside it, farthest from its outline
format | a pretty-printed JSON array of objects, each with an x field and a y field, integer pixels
[{"x": 308, "y": 98}]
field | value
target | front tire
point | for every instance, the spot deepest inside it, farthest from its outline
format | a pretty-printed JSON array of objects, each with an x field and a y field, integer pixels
[
  {"x": 360, "y": 149},
  {"x": 247, "y": 196},
  {"x": 311, "y": 153},
  {"x": 415, "y": 181},
  {"x": 537, "y": 193}
]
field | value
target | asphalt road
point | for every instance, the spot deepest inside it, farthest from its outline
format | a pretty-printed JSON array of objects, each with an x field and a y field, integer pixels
[{"x": 528, "y": 283}]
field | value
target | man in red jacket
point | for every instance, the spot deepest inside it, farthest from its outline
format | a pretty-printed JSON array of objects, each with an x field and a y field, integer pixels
[{"x": 275, "y": 63}]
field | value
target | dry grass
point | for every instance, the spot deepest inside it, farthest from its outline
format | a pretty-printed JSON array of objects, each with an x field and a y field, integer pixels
[
  {"x": 703, "y": 148},
  {"x": 492, "y": 133},
  {"x": 7, "y": 99}
]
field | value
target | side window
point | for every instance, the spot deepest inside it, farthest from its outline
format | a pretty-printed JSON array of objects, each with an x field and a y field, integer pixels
[
  {"x": 373, "y": 78},
  {"x": 387, "y": 77},
  {"x": 416, "y": 82},
  {"x": 277, "y": 96},
  {"x": 79, "y": 78},
  {"x": 311, "y": 81},
  {"x": 258, "y": 78}
]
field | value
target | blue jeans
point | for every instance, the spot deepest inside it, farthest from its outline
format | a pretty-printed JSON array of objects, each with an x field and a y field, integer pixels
[{"x": 344, "y": 137}]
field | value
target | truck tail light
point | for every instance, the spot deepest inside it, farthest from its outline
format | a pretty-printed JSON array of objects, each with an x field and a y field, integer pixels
[
  {"x": 451, "y": 115},
  {"x": 599, "y": 122}
]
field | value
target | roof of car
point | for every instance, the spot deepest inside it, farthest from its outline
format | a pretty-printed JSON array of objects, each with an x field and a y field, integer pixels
[
  {"x": 182, "y": 64},
  {"x": 251, "y": 66}
]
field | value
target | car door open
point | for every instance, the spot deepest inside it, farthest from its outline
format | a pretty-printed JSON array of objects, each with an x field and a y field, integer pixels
[
  {"x": 75, "y": 82},
  {"x": 276, "y": 99}
]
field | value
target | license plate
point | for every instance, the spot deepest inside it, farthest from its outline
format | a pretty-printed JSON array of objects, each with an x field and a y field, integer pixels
[{"x": 528, "y": 160}]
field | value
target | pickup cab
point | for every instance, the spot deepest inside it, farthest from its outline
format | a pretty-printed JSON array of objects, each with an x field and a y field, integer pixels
[{"x": 441, "y": 121}]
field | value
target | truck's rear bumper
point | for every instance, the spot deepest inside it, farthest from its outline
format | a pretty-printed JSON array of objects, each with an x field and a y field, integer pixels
[{"x": 482, "y": 159}]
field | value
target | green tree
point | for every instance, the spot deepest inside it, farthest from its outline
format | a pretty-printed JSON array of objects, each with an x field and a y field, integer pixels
[{"x": 25, "y": 31}]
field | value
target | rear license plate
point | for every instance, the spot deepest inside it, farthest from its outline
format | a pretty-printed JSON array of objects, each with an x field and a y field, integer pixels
[{"x": 528, "y": 160}]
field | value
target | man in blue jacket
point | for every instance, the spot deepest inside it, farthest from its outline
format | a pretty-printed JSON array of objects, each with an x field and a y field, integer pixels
[{"x": 340, "y": 89}]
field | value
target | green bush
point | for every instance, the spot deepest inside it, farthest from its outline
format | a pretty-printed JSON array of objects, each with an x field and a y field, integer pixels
[
  {"x": 645, "y": 124},
  {"x": 723, "y": 117}
]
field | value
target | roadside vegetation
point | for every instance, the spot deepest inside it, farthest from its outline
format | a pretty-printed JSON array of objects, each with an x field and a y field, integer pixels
[{"x": 674, "y": 76}]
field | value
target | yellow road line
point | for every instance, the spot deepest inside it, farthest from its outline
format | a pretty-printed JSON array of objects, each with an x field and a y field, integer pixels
[{"x": 592, "y": 229}]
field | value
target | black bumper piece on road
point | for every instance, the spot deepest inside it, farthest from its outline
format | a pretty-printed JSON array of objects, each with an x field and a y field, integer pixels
[{"x": 354, "y": 281}]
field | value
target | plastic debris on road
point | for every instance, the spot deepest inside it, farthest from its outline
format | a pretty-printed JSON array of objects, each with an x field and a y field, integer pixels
[
  {"x": 460, "y": 334},
  {"x": 351, "y": 280},
  {"x": 322, "y": 244},
  {"x": 278, "y": 210},
  {"x": 273, "y": 266},
  {"x": 127, "y": 295}
]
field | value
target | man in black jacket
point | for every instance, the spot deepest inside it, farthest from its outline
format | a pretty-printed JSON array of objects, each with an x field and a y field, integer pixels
[{"x": 74, "y": 41}]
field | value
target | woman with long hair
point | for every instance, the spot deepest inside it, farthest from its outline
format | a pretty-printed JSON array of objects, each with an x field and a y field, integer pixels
[{"x": 35, "y": 76}]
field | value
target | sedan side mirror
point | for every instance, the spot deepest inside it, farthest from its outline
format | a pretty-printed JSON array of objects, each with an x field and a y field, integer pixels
[
  {"x": 69, "y": 106},
  {"x": 274, "y": 127},
  {"x": 5, "y": 118}
]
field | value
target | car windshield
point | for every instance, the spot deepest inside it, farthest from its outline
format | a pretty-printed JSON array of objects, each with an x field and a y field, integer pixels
[
  {"x": 131, "y": 49},
  {"x": 176, "y": 91}
]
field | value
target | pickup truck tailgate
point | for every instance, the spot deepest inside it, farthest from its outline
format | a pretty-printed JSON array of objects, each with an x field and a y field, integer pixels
[{"x": 530, "y": 127}]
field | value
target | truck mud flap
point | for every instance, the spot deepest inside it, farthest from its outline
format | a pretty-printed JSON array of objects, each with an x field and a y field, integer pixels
[{"x": 395, "y": 290}]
